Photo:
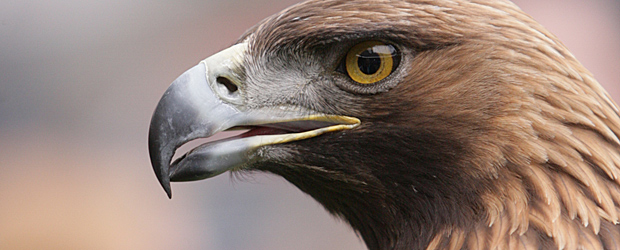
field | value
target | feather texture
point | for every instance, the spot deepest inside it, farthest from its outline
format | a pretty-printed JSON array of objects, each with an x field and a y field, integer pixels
[{"x": 492, "y": 103}]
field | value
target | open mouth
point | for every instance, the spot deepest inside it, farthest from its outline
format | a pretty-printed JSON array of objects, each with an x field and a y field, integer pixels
[
  {"x": 217, "y": 156},
  {"x": 280, "y": 128}
]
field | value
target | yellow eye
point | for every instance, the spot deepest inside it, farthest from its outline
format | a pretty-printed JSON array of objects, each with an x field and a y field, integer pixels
[{"x": 371, "y": 61}]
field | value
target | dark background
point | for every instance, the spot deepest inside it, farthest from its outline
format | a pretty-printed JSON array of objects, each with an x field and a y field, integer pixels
[{"x": 79, "y": 80}]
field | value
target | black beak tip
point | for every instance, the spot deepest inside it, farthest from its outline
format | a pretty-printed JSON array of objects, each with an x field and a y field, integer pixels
[
  {"x": 166, "y": 186},
  {"x": 163, "y": 178},
  {"x": 160, "y": 161}
]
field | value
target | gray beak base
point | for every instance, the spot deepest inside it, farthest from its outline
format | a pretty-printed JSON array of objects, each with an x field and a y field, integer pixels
[
  {"x": 176, "y": 120},
  {"x": 189, "y": 109}
]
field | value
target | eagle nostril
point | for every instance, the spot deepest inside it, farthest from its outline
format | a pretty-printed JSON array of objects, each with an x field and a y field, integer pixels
[{"x": 232, "y": 88}]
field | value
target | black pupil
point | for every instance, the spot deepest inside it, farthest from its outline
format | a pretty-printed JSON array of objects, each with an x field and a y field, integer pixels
[{"x": 369, "y": 61}]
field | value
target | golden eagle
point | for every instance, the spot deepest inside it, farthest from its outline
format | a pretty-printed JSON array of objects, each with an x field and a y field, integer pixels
[{"x": 424, "y": 124}]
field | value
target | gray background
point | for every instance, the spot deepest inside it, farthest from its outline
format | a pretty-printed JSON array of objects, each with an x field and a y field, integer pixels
[{"x": 79, "y": 80}]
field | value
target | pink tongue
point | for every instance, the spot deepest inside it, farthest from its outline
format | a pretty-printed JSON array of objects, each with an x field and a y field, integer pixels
[{"x": 262, "y": 131}]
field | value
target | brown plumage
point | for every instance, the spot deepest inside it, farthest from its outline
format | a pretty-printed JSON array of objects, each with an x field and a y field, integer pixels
[{"x": 489, "y": 135}]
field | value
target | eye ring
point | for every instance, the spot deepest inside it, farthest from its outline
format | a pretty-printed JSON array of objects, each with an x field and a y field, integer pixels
[{"x": 371, "y": 61}]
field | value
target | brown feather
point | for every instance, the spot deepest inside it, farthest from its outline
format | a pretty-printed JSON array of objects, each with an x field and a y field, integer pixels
[{"x": 541, "y": 134}]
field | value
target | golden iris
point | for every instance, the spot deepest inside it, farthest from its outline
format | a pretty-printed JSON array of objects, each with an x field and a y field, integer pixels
[{"x": 371, "y": 61}]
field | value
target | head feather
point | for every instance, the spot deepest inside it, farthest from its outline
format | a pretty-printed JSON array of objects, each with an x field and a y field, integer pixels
[{"x": 522, "y": 119}]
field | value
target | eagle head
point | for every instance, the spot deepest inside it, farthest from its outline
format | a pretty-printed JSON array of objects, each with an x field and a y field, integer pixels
[{"x": 424, "y": 124}]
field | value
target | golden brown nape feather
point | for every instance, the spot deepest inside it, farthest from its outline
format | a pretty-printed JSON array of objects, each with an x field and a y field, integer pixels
[
  {"x": 544, "y": 134},
  {"x": 556, "y": 160}
]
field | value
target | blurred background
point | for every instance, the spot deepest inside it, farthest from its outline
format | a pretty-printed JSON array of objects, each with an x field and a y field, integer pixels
[{"x": 79, "y": 80}]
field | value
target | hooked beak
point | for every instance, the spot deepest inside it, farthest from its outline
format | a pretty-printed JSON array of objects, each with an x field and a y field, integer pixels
[{"x": 209, "y": 98}]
